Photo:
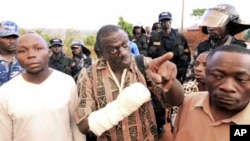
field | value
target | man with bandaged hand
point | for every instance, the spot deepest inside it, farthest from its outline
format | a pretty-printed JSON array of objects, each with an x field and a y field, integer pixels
[{"x": 114, "y": 94}]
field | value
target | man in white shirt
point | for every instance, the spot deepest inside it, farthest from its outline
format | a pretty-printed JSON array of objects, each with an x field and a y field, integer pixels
[{"x": 38, "y": 104}]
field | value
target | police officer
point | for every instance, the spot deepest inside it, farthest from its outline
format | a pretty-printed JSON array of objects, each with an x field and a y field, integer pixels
[
  {"x": 221, "y": 23},
  {"x": 58, "y": 60},
  {"x": 140, "y": 38},
  {"x": 81, "y": 57},
  {"x": 9, "y": 66},
  {"x": 166, "y": 40},
  {"x": 169, "y": 39},
  {"x": 156, "y": 27}
]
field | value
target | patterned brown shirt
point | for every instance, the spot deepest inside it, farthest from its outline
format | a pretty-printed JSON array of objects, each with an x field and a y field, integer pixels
[{"x": 97, "y": 87}]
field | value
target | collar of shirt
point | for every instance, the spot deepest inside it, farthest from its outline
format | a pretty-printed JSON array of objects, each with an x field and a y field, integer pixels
[
  {"x": 170, "y": 36},
  {"x": 12, "y": 59},
  {"x": 240, "y": 118}
]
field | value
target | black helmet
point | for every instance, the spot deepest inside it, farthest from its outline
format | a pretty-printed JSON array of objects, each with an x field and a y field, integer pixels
[
  {"x": 221, "y": 15},
  {"x": 80, "y": 43},
  {"x": 139, "y": 25}
]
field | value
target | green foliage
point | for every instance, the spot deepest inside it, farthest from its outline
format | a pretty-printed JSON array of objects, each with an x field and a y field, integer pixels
[
  {"x": 198, "y": 12},
  {"x": 72, "y": 33},
  {"x": 46, "y": 36},
  {"x": 128, "y": 27},
  {"x": 68, "y": 35},
  {"x": 90, "y": 40},
  {"x": 67, "y": 43}
]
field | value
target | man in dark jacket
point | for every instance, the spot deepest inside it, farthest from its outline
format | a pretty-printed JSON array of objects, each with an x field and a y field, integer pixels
[
  {"x": 140, "y": 38},
  {"x": 164, "y": 41},
  {"x": 58, "y": 59},
  {"x": 170, "y": 40},
  {"x": 81, "y": 57}
]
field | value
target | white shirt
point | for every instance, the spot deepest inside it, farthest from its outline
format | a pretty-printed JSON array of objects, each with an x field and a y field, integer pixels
[{"x": 39, "y": 112}]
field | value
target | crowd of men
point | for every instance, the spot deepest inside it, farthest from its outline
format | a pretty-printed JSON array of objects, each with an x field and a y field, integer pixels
[{"x": 136, "y": 87}]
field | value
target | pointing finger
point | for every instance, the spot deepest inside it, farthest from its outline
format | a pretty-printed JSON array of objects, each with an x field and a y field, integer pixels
[{"x": 166, "y": 57}]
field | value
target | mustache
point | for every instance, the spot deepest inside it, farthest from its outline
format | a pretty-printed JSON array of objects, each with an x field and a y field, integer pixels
[
  {"x": 225, "y": 96},
  {"x": 125, "y": 57}
]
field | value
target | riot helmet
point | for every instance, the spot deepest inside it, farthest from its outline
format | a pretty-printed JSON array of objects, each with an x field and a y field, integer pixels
[
  {"x": 79, "y": 43},
  {"x": 222, "y": 15}
]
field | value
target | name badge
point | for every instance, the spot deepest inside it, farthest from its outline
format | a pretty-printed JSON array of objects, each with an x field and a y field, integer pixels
[{"x": 157, "y": 43}]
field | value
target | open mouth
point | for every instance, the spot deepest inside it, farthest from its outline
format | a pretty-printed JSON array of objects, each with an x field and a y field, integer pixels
[{"x": 126, "y": 60}]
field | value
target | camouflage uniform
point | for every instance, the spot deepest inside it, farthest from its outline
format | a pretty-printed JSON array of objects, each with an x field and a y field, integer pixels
[{"x": 9, "y": 68}]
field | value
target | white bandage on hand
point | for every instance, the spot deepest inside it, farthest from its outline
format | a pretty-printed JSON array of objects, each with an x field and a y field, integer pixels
[
  {"x": 127, "y": 102},
  {"x": 132, "y": 98}
]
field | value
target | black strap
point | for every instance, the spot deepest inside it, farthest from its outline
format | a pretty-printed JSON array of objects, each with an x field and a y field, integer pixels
[{"x": 140, "y": 64}]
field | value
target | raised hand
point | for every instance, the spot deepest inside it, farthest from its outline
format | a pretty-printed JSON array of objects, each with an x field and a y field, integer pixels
[{"x": 162, "y": 71}]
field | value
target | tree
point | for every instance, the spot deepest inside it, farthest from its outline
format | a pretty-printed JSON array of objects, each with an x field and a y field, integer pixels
[
  {"x": 70, "y": 35},
  {"x": 128, "y": 27},
  {"x": 90, "y": 40},
  {"x": 197, "y": 13}
]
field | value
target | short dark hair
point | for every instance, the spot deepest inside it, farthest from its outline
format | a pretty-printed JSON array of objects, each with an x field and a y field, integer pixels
[
  {"x": 154, "y": 27},
  {"x": 105, "y": 31},
  {"x": 229, "y": 48}
]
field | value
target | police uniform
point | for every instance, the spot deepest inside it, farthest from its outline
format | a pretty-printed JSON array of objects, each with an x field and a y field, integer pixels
[
  {"x": 159, "y": 44},
  {"x": 141, "y": 41},
  {"x": 61, "y": 62},
  {"x": 175, "y": 42}
]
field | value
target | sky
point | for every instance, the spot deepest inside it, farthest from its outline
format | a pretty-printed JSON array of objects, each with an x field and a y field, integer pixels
[{"x": 92, "y": 14}]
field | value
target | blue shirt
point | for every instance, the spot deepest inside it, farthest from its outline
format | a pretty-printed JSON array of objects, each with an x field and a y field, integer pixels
[{"x": 134, "y": 48}]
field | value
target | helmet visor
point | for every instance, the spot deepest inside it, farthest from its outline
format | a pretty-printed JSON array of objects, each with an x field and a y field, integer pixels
[{"x": 214, "y": 18}]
